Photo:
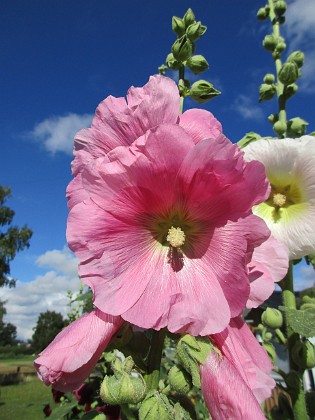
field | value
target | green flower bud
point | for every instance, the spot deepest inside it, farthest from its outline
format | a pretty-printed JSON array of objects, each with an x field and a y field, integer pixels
[
  {"x": 156, "y": 406},
  {"x": 179, "y": 380},
  {"x": 197, "y": 64},
  {"x": 178, "y": 26},
  {"x": 182, "y": 49},
  {"x": 172, "y": 63},
  {"x": 202, "y": 91},
  {"x": 271, "y": 351},
  {"x": 303, "y": 354},
  {"x": 297, "y": 57},
  {"x": 262, "y": 13},
  {"x": 272, "y": 318},
  {"x": 191, "y": 352},
  {"x": 269, "y": 79},
  {"x": 290, "y": 90},
  {"x": 273, "y": 118},
  {"x": 266, "y": 92},
  {"x": 280, "y": 7},
  {"x": 195, "y": 31},
  {"x": 162, "y": 69},
  {"x": 248, "y": 138},
  {"x": 270, "y": 42},
  {"x": 289, "y": 73},
  {"x": 296, "y": 127},
  {"x": 122, "y": 387},
  {"x": 280, "y": 127},
  {"x": 189, "y": 18},
  {"x": 281, "y": 46}
]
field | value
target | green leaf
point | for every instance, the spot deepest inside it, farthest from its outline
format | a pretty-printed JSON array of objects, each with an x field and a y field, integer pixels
[
  {"x": 96, "y": 415},
  {"x": 60, "y": 412},
  {"x": 301, "y": 321}
]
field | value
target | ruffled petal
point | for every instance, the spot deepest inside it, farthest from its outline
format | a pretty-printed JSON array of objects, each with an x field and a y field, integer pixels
[{"x": 200, "y": 124}]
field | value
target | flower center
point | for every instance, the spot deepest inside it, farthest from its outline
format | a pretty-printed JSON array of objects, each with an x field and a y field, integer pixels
[
  {"x": 279, "y": 199},
  {"x": 176, "y": 237}
]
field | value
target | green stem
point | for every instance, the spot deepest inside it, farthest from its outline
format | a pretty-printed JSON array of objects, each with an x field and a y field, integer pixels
[
  {"x": 181, "y": 76},
  {"x": 298, "y": 396},
  {"x": 154, "y": 359},
  {"x": 280, "y": 87}
]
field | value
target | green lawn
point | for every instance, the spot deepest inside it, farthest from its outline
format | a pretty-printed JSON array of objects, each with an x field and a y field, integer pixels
[
  {"x": 25, "y": 401},
  {"x": 11, "y": 365}
]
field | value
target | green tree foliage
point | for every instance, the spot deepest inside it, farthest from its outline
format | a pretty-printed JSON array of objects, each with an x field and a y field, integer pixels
[
  {"x": 12, "y": 238},
  {"x": 49, "y": 324},
  {"x": 7, "y": 330}
]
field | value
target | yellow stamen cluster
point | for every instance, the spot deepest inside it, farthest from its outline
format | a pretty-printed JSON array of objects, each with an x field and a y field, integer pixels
[
  {"x": 279, "y": 200},
  {"x": 176, "y": 237}
]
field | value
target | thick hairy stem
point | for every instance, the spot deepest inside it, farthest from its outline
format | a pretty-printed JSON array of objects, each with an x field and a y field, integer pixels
[{"x": 154, "y": 359}]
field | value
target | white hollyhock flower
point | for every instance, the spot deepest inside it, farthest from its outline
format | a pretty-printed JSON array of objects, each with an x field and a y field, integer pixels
[{"x": 290, "y": 209}]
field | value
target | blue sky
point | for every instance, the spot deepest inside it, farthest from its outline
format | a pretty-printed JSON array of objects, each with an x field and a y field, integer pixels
[{"x": 60, "y": 58}]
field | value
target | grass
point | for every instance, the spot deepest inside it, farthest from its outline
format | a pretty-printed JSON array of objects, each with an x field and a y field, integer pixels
[
  {"x": 11, "y": 365},
  {"x": 25, "y": 401}
]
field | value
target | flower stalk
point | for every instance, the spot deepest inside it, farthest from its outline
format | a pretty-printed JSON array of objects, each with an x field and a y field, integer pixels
[{"x": 152, "y": 376}]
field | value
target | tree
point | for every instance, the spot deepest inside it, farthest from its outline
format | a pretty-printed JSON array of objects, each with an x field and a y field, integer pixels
[
  {"x": 49, "y": 324},
  {"x": 7, "y": 330},
  {"x": 12, "y": 239}
]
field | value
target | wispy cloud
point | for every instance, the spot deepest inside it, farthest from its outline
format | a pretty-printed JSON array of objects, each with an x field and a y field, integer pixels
[
  {"x": 304, "y": 276},
  {"x": 245, "y": 106},
  {"x": 299, "y": 30},
  {"x": 56, "y": 133},
  {"x": 46, "y": 292}
]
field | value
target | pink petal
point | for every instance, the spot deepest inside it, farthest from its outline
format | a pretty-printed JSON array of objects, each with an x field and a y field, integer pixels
[
  {"x": 269, "y": 264},
  {"x": 70, "y": 358},
  {"x": 226, "y": 394},
  {"x": 200, "y": 124}
]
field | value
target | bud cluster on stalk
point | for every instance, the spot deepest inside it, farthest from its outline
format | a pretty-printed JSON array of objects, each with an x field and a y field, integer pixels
[
  {"x": 283, "y": 84},
  {"x": 182, "y": 56}
]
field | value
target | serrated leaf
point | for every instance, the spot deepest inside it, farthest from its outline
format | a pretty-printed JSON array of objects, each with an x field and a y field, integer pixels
[{"x": 301, "y": 321}]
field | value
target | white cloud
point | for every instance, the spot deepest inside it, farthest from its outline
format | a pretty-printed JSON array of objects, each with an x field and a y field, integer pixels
[
  {"x": 46, "y": 292},
  {"x": 299, "y": 30},
  {"x": 245, "y": 106},
  {"x": 57, "y": 133},
  {"x": 304, "y": 276}
]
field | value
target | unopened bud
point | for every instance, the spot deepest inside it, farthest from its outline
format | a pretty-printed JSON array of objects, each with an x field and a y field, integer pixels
[
  {"x": 172, "y": 63},
  {"x": 123, "y": 387},
  {"x": 296, "y": 127},
  {"x": 182, "y": 49},
  {"x": 179, "y": 380},
  {"x": 266, "y": 92},
  {"x": 297, "y": 57},
  {"x": 156, "y": 406},
  {"x": 280, "y": 127},
  {"x": 189, "y": 18},
  {"x": 303, "y": 354},
  {"x": 195, "y": 31},
  {"x": 197, "y": 64},
  {"x": 269, "y": 79},
  {"x": 270, "y": 42},
  {"x": 289, "y": 73},
  {"x": 280, "y": 7},
  {"x": 262, "y": 13},
  {"x": 191, "y": 352},
  {"x": 202, "y": 91},
  {"x": 248, "y": 138},
  {"x": 273, "y": 118},
  {"x": 272, "y": 318},
  {"x": 178, "y": 26},
  {"x": 290, "y": 90},
  {"x": 281, "y": 46}
]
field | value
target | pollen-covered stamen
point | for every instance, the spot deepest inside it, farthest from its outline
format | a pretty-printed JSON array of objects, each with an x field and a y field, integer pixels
[
  {"x": 176, "y": 237},
  {"x": 279, "y": 199}
]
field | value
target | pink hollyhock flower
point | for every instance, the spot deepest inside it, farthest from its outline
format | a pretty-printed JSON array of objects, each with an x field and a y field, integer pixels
[
  {"x": 70, "y": 358},
  {"x": 269, "y": 264},
  {"x": 244, "y": 365},
  {"x": 160, "y": 217}
]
